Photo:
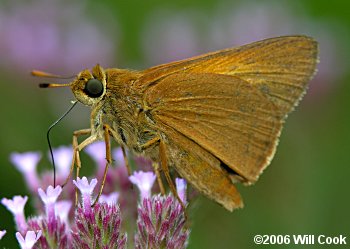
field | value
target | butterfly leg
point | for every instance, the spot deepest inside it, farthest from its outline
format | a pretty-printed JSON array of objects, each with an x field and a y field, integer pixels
[
  {"x": 155, "y": 165},
  {"x": 127, "y": 165},
  {"x": 159, "y": 178},
  {"x": 107, "y": 132},
  {"x": 165, "y": 168},
  {"x": 76, "y": 157},
  {"x": 114, "y": 134}
]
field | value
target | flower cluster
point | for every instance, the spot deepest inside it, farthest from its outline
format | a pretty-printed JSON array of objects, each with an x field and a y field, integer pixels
[{"x": 159, "y": 221}]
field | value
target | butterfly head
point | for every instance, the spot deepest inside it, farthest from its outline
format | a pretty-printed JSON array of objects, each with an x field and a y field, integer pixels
[{"x": 89, "y": 87}]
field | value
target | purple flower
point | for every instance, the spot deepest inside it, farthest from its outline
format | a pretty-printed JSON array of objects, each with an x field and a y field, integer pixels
[
  {"x": 177, "y": 37},
  {"x": 97, "y": 151},
  {"x": 110, "y": 199},
  {"x": 49, "y": 198},
  {"x": 55, "y": 232},
  {"x": 62, "y": 209},
  {"x": 30, "y": 239},
  {"x": 86, "y": 189},
  {"x": 27, "y": 163},
  {"x": 63, "y": 158},
  {"x": 16, "y": 207},
  {"x": 143, "y": 163},
  {"x": 84, "y": 186},
  {"x": 181, "y": 189},
  {"x": 161, "y": 224},
  {"x": 118, "y": 156},
  {"x": 54, "y": 228},
  {"x": 51, "y": 194},
  {"x": 144, "y": 181},
  {"x": 160, "y": 221},
  {"x": 100, "y": 231},
  {"x": 2, "y": 233}
]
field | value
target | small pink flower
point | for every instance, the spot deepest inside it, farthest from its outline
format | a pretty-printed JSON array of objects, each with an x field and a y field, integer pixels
[
  {"x": 2, "y": 233},
  {"x": 144, "y": 181},
  {"x": 86, "y": 190},
  {"x": 16, "y": 207},
  {"x": 30, "y": 239},
  {"x": 51, "y": 194},
  {"x": 49, "y": 198},
  {"x": 27, "y": 163},
  {"x": 84, "y": 186},
  {"x": 181, "y": 189}
]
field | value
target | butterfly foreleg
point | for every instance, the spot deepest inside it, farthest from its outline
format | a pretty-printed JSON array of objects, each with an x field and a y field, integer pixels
[{"x": 76, "y": 158}]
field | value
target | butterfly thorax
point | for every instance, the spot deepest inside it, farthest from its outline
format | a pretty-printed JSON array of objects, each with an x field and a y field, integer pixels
[{"x": 122, "y": 109}]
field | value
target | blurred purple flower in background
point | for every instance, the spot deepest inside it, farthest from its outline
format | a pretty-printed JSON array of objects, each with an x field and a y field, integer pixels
[
  {"x": 97, "y": 151},
  {"x": 63, "y": 159},
  {"x": 16, "y": 207},
  {"x": 2, "y": 233},
  {"x": 110, "y": 199},
  {"x": 176, "y": 37},
  {"x": 50, "y": 36},
  {"x": 27, "y": 163},
  {"x": 62, "y": 209}
]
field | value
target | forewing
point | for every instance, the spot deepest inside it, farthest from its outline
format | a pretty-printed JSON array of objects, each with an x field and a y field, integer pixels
[
  {"x": 223, "y": 114},
  {"x": 279, "y": 68}
]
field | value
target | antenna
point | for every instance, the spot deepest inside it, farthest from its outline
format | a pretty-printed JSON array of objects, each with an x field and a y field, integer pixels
[
  {"x": 49, "y": 143},
  {"x": 42, "y": 74}
]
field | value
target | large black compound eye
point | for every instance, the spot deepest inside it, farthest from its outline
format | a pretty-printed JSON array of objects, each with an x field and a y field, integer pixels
[{"x": 94, "y": 88}]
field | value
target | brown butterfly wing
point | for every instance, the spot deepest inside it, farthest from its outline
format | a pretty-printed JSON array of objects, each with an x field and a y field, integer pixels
[
  {"x": 199, "y": 167},
  {"x": 224, "y": 115},
  {"x": 222, "y": 112},
  {"x": 279, "y": 67}
]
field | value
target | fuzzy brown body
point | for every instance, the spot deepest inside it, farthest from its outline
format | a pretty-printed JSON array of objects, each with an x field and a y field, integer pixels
[{"x": 215, "y": 118}]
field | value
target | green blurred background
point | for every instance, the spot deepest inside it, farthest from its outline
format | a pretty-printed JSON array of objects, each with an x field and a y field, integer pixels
[{"x": 305, "y": 190}]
